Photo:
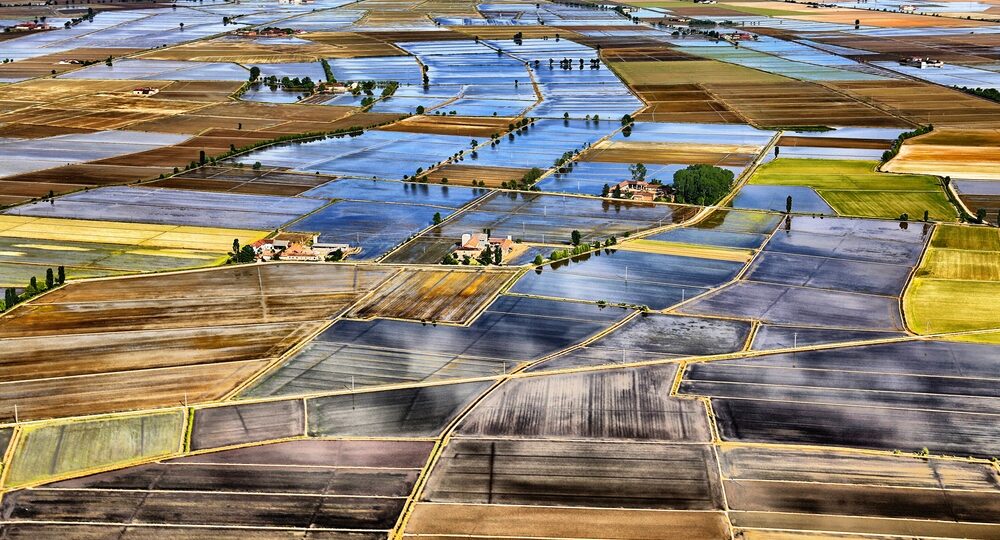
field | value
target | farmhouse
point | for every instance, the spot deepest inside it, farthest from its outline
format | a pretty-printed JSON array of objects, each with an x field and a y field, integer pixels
[
  {"x": 331, "y": 88},
  {"x": 28, "y": 27},
  {"x": 299, "y": 252},
  {"x": 323, "y": 249},
  {"x": 145, "y": 91},
  {"x": 918, "y": 62},
  {"x": 908, "y": 8},
  {"x": 270, "y": 31},
  {"x": 741, "y": 36},
  {"x": 285, "y": 240},
  {"x": 641, "y": 190},
  {"x": 474, "y": 244},
  {"x": 264, "y": 249}
]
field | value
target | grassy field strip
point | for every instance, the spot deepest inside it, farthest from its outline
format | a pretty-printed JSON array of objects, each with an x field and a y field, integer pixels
[
  {"x": 113, "y": 232},
  {"x": 690, "y": 250},
  {"x": 754, "y": 328}
]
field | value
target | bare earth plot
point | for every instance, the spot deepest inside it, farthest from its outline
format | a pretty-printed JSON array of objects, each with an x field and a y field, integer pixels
[
  {"x": 442, "y": 296},
  {"x": 71, "y": 351}
]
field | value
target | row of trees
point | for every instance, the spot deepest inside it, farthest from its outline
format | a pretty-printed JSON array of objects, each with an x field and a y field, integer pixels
[
  {"x": 52, "y": 279},
  {"x": 991, "y": 94},
  {"x": 579, "y": 247},
  {"x": 898, "y": 143},
  {"x": 526, "y": 182}
]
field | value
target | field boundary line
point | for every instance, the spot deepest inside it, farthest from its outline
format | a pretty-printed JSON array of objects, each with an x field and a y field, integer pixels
[
  {"x": 7, "y": 458},
  {"x": 884, "y": 486},
  {"x": 852, "y": 405},
  {"x": 304, "y": 340},
  {"x": 311, "y": 495},
  {"x": 945, "y": 521},
  {"x": 858, "y": 390},
  {"x": 910, "y": 281},
  {"x": 207, "y": 526}
]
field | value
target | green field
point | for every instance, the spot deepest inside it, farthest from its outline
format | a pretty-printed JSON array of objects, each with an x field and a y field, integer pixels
[
  {"x": 958, "y": 283},
  {"x": 855, "y": 188},
  {"x": 839, "y": 174},
  {"x": 948, "y": 305},
  {"x": 48, "y": 451},
  {"x": 690, "y": 72},
  {"x": 890, "y": 204},
  {"x": 961, "y": 265},
  {"x": 966, "y": 237}
]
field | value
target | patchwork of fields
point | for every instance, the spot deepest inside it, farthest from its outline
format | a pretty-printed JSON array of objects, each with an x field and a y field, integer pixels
[{"x": 400, "y": 269}]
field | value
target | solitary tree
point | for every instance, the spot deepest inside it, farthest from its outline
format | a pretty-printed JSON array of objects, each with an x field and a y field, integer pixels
[
  {"x": 926, "y": 215},
  {"x": 539, "y": 260},
  {"x": 437, "y": 218},
  {"x": 777, "y": 150},
  {"x": 420, "y": 109},
  {"x": 638, "y": 171},
  {"x": 254, "y": 73},
  {"x": 575, "y": 237},
  {"x": 788, "y": 204}
]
